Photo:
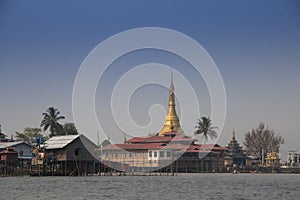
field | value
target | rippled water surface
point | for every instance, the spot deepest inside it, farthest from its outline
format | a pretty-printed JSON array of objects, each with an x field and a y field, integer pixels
[{"x": 185, "y": 186}]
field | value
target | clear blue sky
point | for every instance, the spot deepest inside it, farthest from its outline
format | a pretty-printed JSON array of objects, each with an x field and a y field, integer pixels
[{"x": 255, "y": 44}]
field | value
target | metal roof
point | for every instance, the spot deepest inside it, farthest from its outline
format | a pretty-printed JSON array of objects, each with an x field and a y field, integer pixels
[
  {"x": 156, "y": 139},
  {"x": 59, "y": 142},
  {"x": 4, "y": 145}
]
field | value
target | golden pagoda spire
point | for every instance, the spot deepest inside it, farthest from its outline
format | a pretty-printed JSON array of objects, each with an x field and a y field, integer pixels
[
  {"x": 171, "y": 122},
  {"x": 233, "y": 136}
]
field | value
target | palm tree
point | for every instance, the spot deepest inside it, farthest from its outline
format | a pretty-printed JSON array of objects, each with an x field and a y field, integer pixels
[
  {"x": 204, "y": 127},
  {"x": 50, "y": 121}
]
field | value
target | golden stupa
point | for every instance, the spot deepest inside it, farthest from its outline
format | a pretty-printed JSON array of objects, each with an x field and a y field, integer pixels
[{"x": 171, "y": 122}]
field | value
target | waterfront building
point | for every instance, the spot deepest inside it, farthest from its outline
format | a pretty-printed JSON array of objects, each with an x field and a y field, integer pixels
[
  {"x": 168, "y": 151},
  {"x": 15, "y": 156},
  {"x": 65, "y": 155},
  {"x": 9, "y": 155},
  {"x": 8, "y": 161},
  {"x": 22, "y": 148}
]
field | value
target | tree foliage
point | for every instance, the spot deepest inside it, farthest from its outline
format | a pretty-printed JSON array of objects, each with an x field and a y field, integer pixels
[
  {"x": 261, "y": 141},
  {"x": 69, "y": 129},
  {"x": 50, "y": 121},
  {"x": 28, "y": 135},
  {"x": 204, "y": 128}
]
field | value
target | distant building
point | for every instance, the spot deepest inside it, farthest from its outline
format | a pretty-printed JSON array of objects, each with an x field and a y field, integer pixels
[
  {"x": 234, "y": 154},
  {"x": 293, "y": 158},
  {"x": 272, "y": 159},
  {"x": 8, "y": 161},
  {"x": 15, "y": 157},
  {"x": 9, "y": 155},
  {"x": 3, "y": 137},
  {"x": 22, "y": 148}
]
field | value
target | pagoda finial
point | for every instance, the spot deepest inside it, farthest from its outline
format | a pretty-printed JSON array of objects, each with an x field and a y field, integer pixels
[
  {"x": 172, "y": 85},
  {"x": 233, "y": 136}
]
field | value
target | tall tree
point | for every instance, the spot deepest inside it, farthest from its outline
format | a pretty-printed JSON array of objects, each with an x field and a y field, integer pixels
[
  {"x": 50, "y": 121},
  {"x": 204, "y": 128},
  {"x": 261, "y": 141},
  {"x": 70, "y": 129},
  {"x": 29, "y": 134}
]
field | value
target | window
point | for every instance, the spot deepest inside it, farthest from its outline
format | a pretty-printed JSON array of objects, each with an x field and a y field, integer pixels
[
  {"x": 155, "y": 154},
  {"x": 168, "y": 154},
  {"x": 77, "y": 151},
  {"x": 161, "y": 154},
  {"x": 150, "y": 154}
]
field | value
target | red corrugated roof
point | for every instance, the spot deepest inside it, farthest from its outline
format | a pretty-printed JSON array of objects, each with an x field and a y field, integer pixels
[
  {"x": 173, "y": 146},
  {"x": 134, "y": 146},
  {"x": 214, "y": 147},
  {"x": 149, "y": 139},
  {"x": 153, "y": 139},
  {"x": 146, "y": 146}
]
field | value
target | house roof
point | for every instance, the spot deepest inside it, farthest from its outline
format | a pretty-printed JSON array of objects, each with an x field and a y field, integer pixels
[
  {"x": 59, "y": 142},
  {"x": 4, "y": 145}
]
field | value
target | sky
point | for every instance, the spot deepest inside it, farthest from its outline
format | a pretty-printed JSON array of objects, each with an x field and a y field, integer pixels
[{"x": 255, "y": 45}]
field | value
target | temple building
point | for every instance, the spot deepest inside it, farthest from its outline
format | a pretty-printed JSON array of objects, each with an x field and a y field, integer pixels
[
  {"x": 272, "y": 159},
  {"x": 3, "y": 137},
  {"x": 234, "y": 154},
  {"x": 169, "y": 151}
]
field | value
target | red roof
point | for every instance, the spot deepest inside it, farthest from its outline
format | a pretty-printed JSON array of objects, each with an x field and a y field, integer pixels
[
  {"x": 214, "y": 147},
  {"x": 134, "y": 146},
  {"x": 149, "y": 139},
  {"x": 146, "y": 146},
  {"x": 183, "y": 138},
  {"x": 154, "y": 139},
  {"x": 177, "y": 142},
  {"x": 173, "y": 146}
]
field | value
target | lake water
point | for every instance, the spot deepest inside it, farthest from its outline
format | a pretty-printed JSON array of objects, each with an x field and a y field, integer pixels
[{"x": 183, "y": 186}]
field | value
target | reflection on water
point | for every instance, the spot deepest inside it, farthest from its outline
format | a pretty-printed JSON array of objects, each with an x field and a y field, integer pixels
[{"x": 185, "y": 186}]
